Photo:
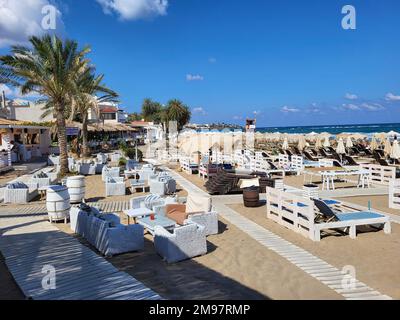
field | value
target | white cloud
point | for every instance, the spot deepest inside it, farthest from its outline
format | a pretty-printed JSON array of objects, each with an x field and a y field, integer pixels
[
  {"x": 212, "y": 60},
  {"x": 351, "y": 107},
  {"x": 194, "y": 77},
  {"x": 366, "y": 106},
  {"x": 15, "y": 93},
  {"x": 287, "y": 109},
  {"x": 372, "y": 106},
  {"x": 237, "y": 118},
  {"x": 350, "y": 96},
  {"x": 392, "y": 97},
  {"x": 20, "y": 19},
  {"x": 199, "y": 110},
  {"x": 135, "y": 9}
]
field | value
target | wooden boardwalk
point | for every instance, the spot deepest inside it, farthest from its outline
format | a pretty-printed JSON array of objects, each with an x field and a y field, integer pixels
[
  {"x": 40, "y": 210},
  {"x": 29, "y": 245},
  {"x": 317, "y": 268}
]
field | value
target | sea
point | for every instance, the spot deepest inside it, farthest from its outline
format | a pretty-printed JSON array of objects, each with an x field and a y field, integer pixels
[{"x": 366, "y": 129}]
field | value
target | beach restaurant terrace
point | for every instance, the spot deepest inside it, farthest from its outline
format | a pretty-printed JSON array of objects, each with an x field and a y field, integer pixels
[{"x": 36, "y": 140}]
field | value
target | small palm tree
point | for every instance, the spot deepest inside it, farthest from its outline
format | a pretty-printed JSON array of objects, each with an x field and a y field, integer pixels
[
  {"x": 50, "y": 68},
  {"x": 177, "y": 111},
  {"x": 84, "y": 100}
]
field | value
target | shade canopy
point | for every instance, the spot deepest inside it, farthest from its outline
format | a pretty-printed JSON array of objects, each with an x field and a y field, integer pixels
[
  {"x": 374, "y": 144},
  {"x": 349, "y": 142},
  {"x": 285, "y": 144},
  {"x": 340, "y": 149},
  {"x": 388, "y": 147},
  {"x": 318, "y": 144},
  {"x": 302, "y": 143},
  {"x": 395, "y": 152},
  {"x": 327, "y": 143}
]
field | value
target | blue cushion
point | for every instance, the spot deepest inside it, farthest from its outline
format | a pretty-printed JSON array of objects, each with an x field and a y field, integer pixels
[
  {"x": 17, "y": 185},
  {"x": 331, "y": 202},
  {"x": 358, "y": 216}
]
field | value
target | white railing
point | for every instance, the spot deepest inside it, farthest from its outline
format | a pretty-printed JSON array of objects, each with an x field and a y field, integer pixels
[
  {"x": 394, "y": 194},
  {"x": 294, "y": 212},
  {"x": 380, "y": 174}
]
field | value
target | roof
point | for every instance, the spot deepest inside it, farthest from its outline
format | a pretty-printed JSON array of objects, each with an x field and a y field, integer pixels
[
  {"x": 100, "y": 127},
  {"x": 140, "y": 124},
  {"x": 108, "y": 109},
  {"x": 7, "y": 123}
]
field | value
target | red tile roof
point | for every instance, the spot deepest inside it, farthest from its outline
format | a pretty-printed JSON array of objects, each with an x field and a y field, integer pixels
[{"x": 108, "y": 109}]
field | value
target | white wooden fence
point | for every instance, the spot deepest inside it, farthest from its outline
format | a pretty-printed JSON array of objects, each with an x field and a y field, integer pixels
[
  {"x": 394, "y": 194},
  {"x": 380, "y": 174},
  {"x": 293, "y": 212}
]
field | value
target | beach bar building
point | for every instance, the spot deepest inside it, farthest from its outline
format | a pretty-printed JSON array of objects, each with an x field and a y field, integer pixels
[{"x": 36, "y": 140}]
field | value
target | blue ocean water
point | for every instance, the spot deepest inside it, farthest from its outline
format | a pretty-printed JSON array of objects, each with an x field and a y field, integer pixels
[{"x": 367, "y": 129}]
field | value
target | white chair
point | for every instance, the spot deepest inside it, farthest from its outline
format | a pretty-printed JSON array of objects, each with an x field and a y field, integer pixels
[
  {"x": 115, "y": 186},
  {"x": 184, "y": 243},
  {"x": 109, "y": 172}
]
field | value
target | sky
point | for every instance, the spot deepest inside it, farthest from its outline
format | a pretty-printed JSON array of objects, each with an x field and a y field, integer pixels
[{"x": 286, "y": 62}]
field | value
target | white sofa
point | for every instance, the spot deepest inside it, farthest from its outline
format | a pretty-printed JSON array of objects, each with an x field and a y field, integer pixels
[
  {"x": 184, "y": 243},
  {"x": 106, "y": 233},
  {"x": 20, "y": 192},
  {"x": 109, "y": 172},
  {"x": 115, "y": 186}
]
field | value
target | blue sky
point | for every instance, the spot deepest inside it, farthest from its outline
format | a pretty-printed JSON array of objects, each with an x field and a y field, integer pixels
[{"x": 288, "y": 62}]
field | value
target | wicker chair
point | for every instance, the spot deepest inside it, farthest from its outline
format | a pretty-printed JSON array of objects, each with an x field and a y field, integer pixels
[
  {"x": 20, "y": 193},
  {"x": 186, "y": 242},
  {"x": 115, "y": 186}
]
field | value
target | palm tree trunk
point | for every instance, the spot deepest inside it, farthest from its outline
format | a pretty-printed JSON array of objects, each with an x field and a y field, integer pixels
[
  {"x": 62, "y": 142},
  {"x": 85, "y": 146}
]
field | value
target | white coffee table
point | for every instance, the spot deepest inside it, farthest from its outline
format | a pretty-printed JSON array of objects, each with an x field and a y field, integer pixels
[{"x": 138, "y": 213}]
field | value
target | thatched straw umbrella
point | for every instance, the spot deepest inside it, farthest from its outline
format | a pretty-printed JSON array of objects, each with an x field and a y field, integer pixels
[
  {"x": 302, "y": 143},
  {"x": 340, "y": 149},
  {"x": 327, "y": 143},
  {"x": 395, "y": 153},
  {"x": 388, "y": 147},
  {"x": 374, "y": 144},
  {"x": 349, "y": 142},
  {"x": 285, "y": 145},
  {"x": 318, "y": 144}
]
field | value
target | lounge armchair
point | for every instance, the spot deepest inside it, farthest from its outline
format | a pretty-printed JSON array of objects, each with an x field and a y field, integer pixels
[
  {"x": 109, "y": 172},
  {"x": 162, "y": 185},
  {"x": 197, "y": 210},
  {"x": 20, "y": 192},
  {"x": 86, "y": 169},
  {"x": 44, "y": 179},
  {"x": 106, "y": 233},
  {"x": 115, "y": 186},
  {"x": 335, "y": 220},
  {"x": 184, "y": 243}
]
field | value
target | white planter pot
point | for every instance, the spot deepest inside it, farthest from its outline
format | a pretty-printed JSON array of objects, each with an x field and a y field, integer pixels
[
  {"x": 76, "y": 188},
  {"x": 58, "y": 203}
]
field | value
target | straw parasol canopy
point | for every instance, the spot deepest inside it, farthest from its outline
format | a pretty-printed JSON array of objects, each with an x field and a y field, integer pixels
[
  {"x": 340, "y": 147},
  {"x": 388, "y": 147},
  {"x": 395, "y": 153},
  {"x": 302, "y": 143},
  {"x": 381, "y": 136},
  {"x": 285, "y": 145},
  {"x": 349, "y": 142},
  {"x": 327, "y": 142},
  {"x": 318, "y": 144},
  {"x": 374, "y": 144}
]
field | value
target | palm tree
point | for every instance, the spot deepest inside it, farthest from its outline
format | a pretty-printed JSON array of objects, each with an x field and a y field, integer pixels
[
  {"x": 151, "y": 110},
  {"x": 50, "y": 68},
  {"x": 177, "y": 111},
  {"x": 85, "y": 100}
]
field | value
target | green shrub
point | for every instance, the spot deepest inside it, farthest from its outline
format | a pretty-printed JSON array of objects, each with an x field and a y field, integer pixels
[
  {"x": 131, "y": 154},
  {"x": 122, "y": 162}
]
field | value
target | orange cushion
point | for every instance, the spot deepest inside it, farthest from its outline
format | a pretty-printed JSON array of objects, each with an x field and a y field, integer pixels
[
  {"x": 175, "y": 207},
  {"x": 178, "y": 216}
]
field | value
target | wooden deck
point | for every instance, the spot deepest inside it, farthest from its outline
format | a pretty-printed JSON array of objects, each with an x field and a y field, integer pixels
[
  {"x": 40, "y": 210},
  {"x": 30, "y": 244}
]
